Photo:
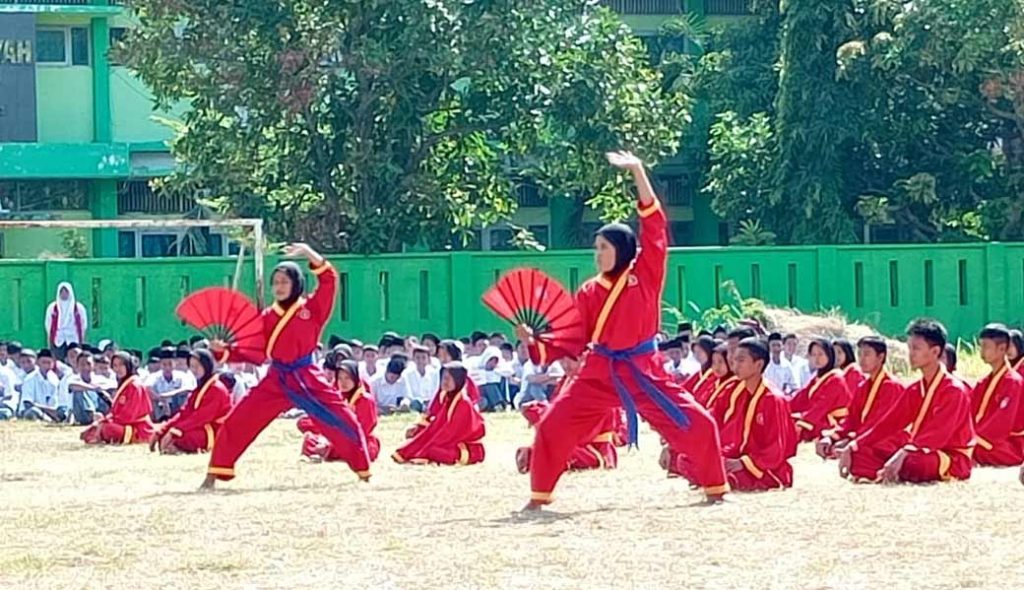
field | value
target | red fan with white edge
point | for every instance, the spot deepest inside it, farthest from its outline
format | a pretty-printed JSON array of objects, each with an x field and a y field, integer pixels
[
  {"x": 529, "y": 297},
  {"x": 222, "y": 314}
]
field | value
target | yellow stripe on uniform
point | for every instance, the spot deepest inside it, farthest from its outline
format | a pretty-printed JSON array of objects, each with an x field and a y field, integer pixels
[
  {"x": 128, "y": 432},
  {"x": 463, "y": 454},
  {"x": 319, "y": 270},
  {"x": 209, "y": 436},
  {"x": 202, "y": 391},
  {"x": 281, "y": 323},
  {"x": 992, "y": 384},
  {"x": 609, "y": 303}
]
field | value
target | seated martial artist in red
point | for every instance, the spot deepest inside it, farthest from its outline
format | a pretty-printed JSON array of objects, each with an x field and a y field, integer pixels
[
  {"x": 928, "y": 436},
  {"x": 345, "y": 376},
  {"x": 599, "y": 450},
  {"x": 129, "y": 418},
  {"x": 823, "y": 402},
  {"x": 758, "y": 438},
  {"x": 846, "y": 362},
  {"x": 714, "y": 398},
  {"x": 875, "y": 396},
  {"x": 448, "y": 351},
  {"x": 702, "y": 383},
  {"x": 455, "y": 436},
  {"x": 292, "y": 325},
  {"x": 621, "y": 312},
  {"x": 194, "y": 428},
  {"x": 1015, "y": 352},
  {"x": 996, "y": 403}
]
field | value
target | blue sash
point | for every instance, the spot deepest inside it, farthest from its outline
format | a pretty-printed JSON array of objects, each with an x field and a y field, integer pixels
[
  {"x": 646, "y": 385},
  {"x": 305, "y": 400}
]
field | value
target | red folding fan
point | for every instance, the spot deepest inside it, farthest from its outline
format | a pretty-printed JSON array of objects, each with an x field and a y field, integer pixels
[
  {"x": 219, "y": 313},
  {"x": 528, "y": 296}
]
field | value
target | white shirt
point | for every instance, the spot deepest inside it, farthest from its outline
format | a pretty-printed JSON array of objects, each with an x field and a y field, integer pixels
[
  {"x": 8, "y": 394},
  {"x": 387, "y": 394},
  {"x": 64, "y": 393},
  {"x": 781, "y": 375},
  {"x": 365, "y": 375},
  {"x": 422, "y": 387},
  {"x": 179, "y": 380},
  {"x": 686, "y": 367},
  {"x": 801, "y": 370},
  {"x": 40, "y": 390}
]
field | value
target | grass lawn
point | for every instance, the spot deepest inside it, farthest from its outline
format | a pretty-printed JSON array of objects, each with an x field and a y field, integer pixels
[{"x": 78, "y": 517}]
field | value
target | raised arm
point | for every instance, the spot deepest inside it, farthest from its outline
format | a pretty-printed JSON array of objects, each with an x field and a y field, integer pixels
[
  {"x": 653, "y": 256},
  {"x": 321, "y": 301}
]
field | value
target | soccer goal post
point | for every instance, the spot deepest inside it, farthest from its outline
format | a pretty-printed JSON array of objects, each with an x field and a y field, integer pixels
[{"x": 255, "y": 226}]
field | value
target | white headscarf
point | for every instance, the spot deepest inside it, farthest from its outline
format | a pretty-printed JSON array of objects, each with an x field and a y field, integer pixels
[{"x": 65, "y": 308}]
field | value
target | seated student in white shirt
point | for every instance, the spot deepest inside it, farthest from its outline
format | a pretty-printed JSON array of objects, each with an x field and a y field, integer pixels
[
  {"x": 39, "y": 388},
  {"x": 489, "y": 381},
  {"x": 432, "y": 341},
  {"x": 801, "y": 368},
  {"x": 779, "y": 372},
  {"x": 678, "y": 366},
  {"x": 89, "y": 392},
  {"x": 538, "y": 382},
  {"x": 169, "y": 388},
  {"x": 368, "y": 368},
  {"x": 391, "y": 390},
  {"x": 423, "y": 379}
]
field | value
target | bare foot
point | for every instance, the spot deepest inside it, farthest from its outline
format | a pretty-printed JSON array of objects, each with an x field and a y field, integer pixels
[
  {"x": 665, "y": 459},
  {"x": 208, "y": 484},
  {"x": 714, "y": 499},
  {"x": 532, "y": 506},
  {"x": 365, "y": 477},
  {"x": 523, "y": 459}
]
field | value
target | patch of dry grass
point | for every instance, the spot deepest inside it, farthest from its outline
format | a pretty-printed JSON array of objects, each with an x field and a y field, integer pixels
[{"x": 78, "y": 517}]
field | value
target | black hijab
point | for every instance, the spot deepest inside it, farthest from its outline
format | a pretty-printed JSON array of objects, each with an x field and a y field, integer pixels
[
  {"x": 130, "y": 363},
  {"x": 847, "y": 351},
  {"x": 830, "y": 352},
  {"x": 205, "y": 358},
  {"x": 294, "y": 273},
  {"x": 707, "y": 344},
  {"x": 622, "y": 237},
  {"x": 459, "y": 374}
]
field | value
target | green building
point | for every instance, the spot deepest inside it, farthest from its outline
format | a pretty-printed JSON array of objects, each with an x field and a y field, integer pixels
[{"x": 79, "y": 140}]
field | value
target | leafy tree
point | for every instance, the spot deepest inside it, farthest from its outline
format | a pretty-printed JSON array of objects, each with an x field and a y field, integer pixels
[{"x": 368, "y": 126}]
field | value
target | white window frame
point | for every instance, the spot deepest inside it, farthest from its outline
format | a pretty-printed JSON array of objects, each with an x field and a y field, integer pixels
[{"x": 67, "y": 47}]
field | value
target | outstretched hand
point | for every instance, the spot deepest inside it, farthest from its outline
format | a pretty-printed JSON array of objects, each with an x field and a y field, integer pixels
[
  {"x": 302, "y": 250},
  {"x": 624, "y": 160}
]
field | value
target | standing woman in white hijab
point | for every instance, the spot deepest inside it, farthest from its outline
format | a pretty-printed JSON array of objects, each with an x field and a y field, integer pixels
[{"x": 66, "y": 320}]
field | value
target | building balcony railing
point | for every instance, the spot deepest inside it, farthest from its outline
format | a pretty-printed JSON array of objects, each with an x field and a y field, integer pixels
[
  {"x": 727, "y": 7},
  {"x": 644, "y": 6},
  {"x": 48, "y": 2}
]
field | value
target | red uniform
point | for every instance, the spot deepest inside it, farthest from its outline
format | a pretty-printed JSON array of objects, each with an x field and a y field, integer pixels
[
  {"x": 599, "y": 451},
  {"x": 453, "y": 437},
  {"x": 195, "y": 426},
  {"x": 622, "y": 318},
  {"x": 128, "y": 421},
  {"x": 315, "y": 444},
  {"x": 995, "y": 407},
  {"x": 871, "y": 401},
  {"x": 293, "y": 381},
  {"x": 820, "y": 405},
  {"x": 853, "y": 377},
  {"x": 932, "y": 422},
  {"x": 434, "y": 408},
  {"x": 759, "y": 433},
  {"x": 701, "y": 384}
]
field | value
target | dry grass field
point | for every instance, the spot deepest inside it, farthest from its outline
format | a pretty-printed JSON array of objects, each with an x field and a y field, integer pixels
[{"x": 77, "y": 517}]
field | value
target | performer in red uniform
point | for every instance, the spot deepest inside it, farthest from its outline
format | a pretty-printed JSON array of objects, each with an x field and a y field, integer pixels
[
  {"x": 448, "y": 351},
  {"x": 846, "y": 361},
  {"x": 315, "y": 445},
  {"x": 621, "y": 309},
  {"x": 128, "y": 420},
  {"x": 995, "y": 403},
  {"x": 599, "y": 450},
  {"x": 758, "y": 437},
  {"x": 877, "y": 394},
  {"x": 823, "y": 402},
  {"x": 293, "y": 325},
  {"x": 725, "y": 381},
  {"x": 926, "y": 437},
  {"x": 702, "y": 383},
  {"x": 194, "y": 427},
  {"x": 455, "y": 436}
]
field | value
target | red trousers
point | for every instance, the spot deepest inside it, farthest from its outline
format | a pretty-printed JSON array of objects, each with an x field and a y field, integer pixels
[
  {"x": 198, "y": 440},
  {"x": 265, "y": 402},
  {"x": 113, "y": 433},
  {"x": 743, "y": 481},
  {"x": 461, "y": 454},
  {"x": 576, "y": 412},
  {"x": 596, "y": 455},
  {"x": 313, "y": 441},
  {"x": 918, "y": 467},
  {"x": 1005, "y": 453}
]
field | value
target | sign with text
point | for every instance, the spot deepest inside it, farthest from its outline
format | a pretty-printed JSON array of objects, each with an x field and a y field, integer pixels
[{"x": 17, "y": 77}]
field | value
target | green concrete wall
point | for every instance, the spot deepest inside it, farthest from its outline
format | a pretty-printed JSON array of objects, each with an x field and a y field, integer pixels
[
  {"x": 64, "y": 104},
  {"x": 132, "y": 301},
  {"x": 131, "y": 105}
]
